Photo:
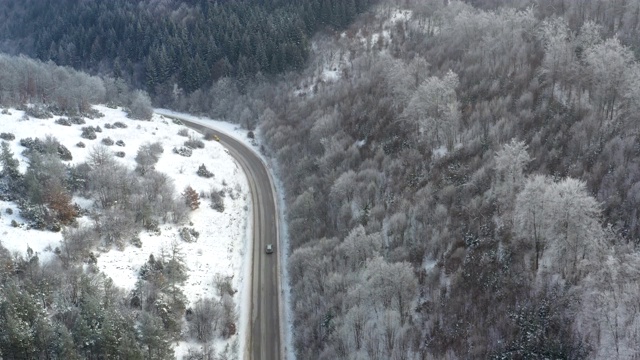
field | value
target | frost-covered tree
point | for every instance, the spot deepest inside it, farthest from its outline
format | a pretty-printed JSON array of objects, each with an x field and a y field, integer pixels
[
  {"x": 510, "y": 161},
  {"x": 393, "y": 286},
  {"x": 140, "y": 106},
  {"x": 434, "y": 106},
  {"x": 608, "y": 64},
  {"x": 558, "y": 51},
  {"x": 529, "y": 217},
  {"x": 573, "y": 225}
]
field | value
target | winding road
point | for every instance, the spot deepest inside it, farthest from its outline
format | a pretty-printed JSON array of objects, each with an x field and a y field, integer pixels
[{"x": 264, "y": 341}]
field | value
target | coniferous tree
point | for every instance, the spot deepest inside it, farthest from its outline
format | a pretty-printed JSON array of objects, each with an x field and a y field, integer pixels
[{"x": 191, "y": 198}]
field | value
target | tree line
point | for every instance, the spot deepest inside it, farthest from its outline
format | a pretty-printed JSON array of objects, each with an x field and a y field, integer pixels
[{"x": 161, "y": 44}]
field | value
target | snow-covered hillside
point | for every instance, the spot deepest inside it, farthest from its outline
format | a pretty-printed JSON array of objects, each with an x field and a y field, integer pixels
[{"x": 224, "y": 236}]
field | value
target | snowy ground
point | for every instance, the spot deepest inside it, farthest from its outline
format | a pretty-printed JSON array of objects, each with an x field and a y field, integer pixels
[
  {"x": 224, "y": 237},
  {"x": 232, "y": 130}
]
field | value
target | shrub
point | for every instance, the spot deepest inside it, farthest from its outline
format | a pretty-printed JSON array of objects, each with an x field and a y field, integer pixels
[
  {"x": 203, "y": 172},
  {"x": 183, "y": 132},
  {"x": 156, "y": 148},
  {"x": 14, "y": 223},
  {"x": 9, "y": 211},
  {"x": 223, "y": 284},
  {"x": 135, "y": 241},
  {"x": 217, "y": 200},
  {"x": 98, "y": 129},
  {"x": 33, "y": 144},
  {"x": 38, "y": 112},
  {"x": 88, "y": 132},
  {"x": 147, "y": 156},
  {"x": 120, "y": 143},
  {"x": 37, "y": 217},
  {"x": 189, "y": 235},
  {"x": 93, "y": 114},
  {"x": 5, "y": 112},
  {"x": 64, "y": 153},
  {"x": 119, "y": 125},
  {"x": 7, "y": 136},
  {"x": 120, "y": 154},
  {"x": 77, "y": 120},
  {"x": 80, "y": 144},
  {"x": 48, "y": 146},
  {"x": 63, "y": 122},
  {"x": 183, "y": 151},
  {"x": 107, "y": 141},
  {"x": 177, "y": 121},
  {"x": 251, "y": 135},
  {"x": 108, "y": 126},
  {"x": 194, "y": 143}
]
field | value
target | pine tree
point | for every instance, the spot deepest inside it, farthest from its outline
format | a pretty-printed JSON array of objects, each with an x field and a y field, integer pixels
[
  {"x": 9, "y": 163},
  {"x": 153, "y": 338}
]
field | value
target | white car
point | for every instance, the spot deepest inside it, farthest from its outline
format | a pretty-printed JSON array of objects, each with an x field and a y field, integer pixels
[{"x": 269, "y": 248}]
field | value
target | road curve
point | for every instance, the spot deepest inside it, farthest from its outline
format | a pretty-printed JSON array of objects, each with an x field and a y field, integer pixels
[{"x": 264, "y": 342}]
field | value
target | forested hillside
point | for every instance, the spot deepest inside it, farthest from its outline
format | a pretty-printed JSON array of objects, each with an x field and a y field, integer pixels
[
  {"x": 159, "y": 44},
  {"x": 465, "y": 183}
]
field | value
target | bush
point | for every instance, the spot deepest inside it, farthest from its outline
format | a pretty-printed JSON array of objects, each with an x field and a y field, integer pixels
[
  {"x": 183, "y": 151},
  {"x": 9, "y": 211},
  {"x": 189, "y": 235},
  {"x": 107, "y": 141},
  {"x": 183, "y": 132},
  {"x": 80, "y": 144},
  {"x": 38, "y": 112},
  {"x": 33, "y": 144},
  {"x": 93, "y": 114},
  {"x": 120, "y": 154},
  {"x": 7, "y": 136},
  {"x": 37, "y": 217},
  {"x": 177, "y": 121},
  {"x": 217, "y": 201},
  {"x": 5, "y": 112},
  {"x": 194, "y": 143},
  {"x": 108, "y": 126},
  {"x": 89, "y": 132},
  {"x": 251, "y": 135},
  {"x": 14, "y": 223},
  {"x": 203, "y": 172},
  {"x": 223, "y": 284},
  {"x": 135, "y": 241},
  {"x": 77, "y": 120},
  {"x": 63, "y": 122},
  {"x": 64, "y": 153},
  {"x": 156, "y": 148},
  {"x": 48, "y": 146},
  {"x": 119, "y": 125},
  {"x": 120, "y": 143}
]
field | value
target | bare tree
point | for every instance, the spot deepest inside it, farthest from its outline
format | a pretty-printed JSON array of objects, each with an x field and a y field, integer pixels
[{"x": 205, "y": 319}]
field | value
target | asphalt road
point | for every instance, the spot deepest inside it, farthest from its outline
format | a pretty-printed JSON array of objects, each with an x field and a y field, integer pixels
[{"x": 264, "y": 342}]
